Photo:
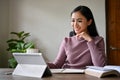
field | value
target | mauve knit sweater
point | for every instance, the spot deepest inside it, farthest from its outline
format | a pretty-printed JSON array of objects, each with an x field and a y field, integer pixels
[{"x": 79, "y": 53}]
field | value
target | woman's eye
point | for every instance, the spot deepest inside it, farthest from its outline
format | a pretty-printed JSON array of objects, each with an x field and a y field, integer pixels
[
  {"x": 72, "y": 20},
  {"x": 79, "y": 21}
]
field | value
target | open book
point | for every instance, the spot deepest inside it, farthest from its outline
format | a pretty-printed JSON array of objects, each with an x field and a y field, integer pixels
[
  {"x": 67, "y": 70},
  {"x": 103, "y": 71}
]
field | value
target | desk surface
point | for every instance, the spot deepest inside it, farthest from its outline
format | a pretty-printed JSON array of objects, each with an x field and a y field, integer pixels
[{"x": 4, "y": 76}]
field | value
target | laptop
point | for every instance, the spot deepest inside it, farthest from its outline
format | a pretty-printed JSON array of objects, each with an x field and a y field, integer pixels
[{"x": 31, "y": 65}]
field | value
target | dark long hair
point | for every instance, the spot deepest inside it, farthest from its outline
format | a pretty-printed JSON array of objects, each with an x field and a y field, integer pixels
[{"x": 86, "y": 12}]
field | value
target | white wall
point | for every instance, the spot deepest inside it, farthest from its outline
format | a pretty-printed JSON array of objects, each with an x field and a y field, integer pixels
[{"x": 48, "y": 21}]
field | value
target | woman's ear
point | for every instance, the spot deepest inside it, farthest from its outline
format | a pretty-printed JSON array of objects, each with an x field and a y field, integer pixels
[{"x": 89, "y": 22}]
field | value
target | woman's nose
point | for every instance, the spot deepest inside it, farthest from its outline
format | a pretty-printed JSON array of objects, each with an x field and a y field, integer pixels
[{"x": 75, "y": 24}]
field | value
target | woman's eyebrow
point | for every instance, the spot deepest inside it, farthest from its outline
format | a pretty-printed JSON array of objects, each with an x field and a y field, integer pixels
[{"x": 78, "y": 18}]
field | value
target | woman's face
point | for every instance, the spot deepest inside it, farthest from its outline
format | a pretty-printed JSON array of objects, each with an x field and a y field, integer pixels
[{"x": 79, "y": 22}]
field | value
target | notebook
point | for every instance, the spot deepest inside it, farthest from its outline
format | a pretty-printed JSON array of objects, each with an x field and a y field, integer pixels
[{"x": 31, "y": 65}]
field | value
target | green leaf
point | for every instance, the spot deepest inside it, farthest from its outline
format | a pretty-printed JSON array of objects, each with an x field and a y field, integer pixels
[
  {"x": 18, "y": 51},
  {"x": 29, "y": 45},
  {"x": 25, "y": 36},
  {"x": 12, "y": 63},
  {"x": 11, "y": 46},
  {"x": 18, "y": 34},
  {"x": 14, "y": 40}
]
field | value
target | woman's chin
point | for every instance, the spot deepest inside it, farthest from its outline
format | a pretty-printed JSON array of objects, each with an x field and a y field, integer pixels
[{"x": 77, "y": 32}]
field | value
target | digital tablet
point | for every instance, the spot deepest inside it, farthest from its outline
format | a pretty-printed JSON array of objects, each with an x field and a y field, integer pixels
[{"x": 31, "y": 65}]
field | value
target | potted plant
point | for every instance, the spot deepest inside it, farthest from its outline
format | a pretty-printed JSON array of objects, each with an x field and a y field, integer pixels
[{"x": 19, "y": 45}]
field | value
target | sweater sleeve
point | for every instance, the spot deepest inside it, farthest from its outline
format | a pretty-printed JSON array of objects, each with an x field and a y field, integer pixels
[
  {"x": 97, "y": 50},
  {"x": 61, "y": 57}
]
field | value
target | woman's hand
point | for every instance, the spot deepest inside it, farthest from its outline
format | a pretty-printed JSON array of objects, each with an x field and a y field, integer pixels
[{"x": 85, "y": 35}]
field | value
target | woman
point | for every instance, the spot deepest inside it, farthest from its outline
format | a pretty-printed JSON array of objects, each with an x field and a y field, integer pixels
[{"x": 85, "y": 48}]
